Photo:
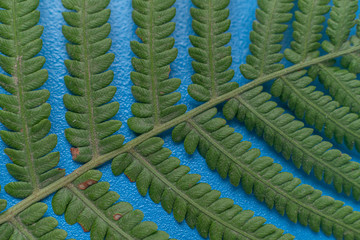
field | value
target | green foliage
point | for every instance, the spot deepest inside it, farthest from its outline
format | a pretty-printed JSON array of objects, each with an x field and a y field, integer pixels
[
  {"x": 168, "y": 182},
  {"x": 153, "y": 89},
  {"x": 30, "y": 224},
  {"x": 92, "y": 205},
  {"x": 265, "y": 37},
  {"x": 352, "y": 61},
  {"x": 24, "y": 110},
  {"x": 289, "y": 137},
  {"x": 342, "y": 17},
  {"x": 224, "y": 151},
  {"x": 307, "y": 28},
  {"x": 3, "y": 204},
  {"x": 318, "y": 109},
  {"x": 87, "y": 201},
  {"x": 89, "y": 107},
  {"x": 212, "y": 58},
  {"x": 342, "y": 85}
]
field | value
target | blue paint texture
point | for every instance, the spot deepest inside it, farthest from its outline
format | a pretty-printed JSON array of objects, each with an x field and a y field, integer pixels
[{"x": 242, "y": 14}]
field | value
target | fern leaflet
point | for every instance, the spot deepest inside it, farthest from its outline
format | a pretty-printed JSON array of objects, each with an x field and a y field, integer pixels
[
  {"x": 212, "y": 57},
  {"x": 89, "y": 107},
  {"x": 153, "y": 88},
  {"x": 25, "y": 111},
  {"x": 318, "y": 109},
  {"x": 266, "y": 36},
  {"x": 342, "y": 85},
  {"x": 232, "y": 158},
  {"x": 168, "y": 182},
  {"x": 307, "y": 28},
  {"x": 30, "y": 224},
  {"x": 289, "y": 137},
  {"x": 92, "y": 205}
]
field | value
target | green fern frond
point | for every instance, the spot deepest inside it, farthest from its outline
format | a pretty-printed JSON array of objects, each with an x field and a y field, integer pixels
[
  {"x": 31, "y": 224},
  {"x": 3, "y": 204},
  {"x": 307, "y": 27},
  {"x": 224, "y": 151},
  {"x": 289, "y": 137},
  {"x": 315, "y": 107},
  {"x": 92, "y": 205},
  {"x": 266, "y": 35},
  {"x": 25, "y": 111},
  {"x": 152, "y": 88},
  {"x": 212, "y": 58},
  {"x": 168, "y": 182},
  {"x": 89, "y": 107},
  {"x": 318, "y": 109},
  {"x": 352, "y": 61},
  {"x": 342, "y": 20},
  {"x": 342, "y": 85}
]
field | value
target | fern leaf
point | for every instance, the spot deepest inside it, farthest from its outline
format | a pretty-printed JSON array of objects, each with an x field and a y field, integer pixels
[
  {"x": 31, "y": 224},
  {"x": 352, "y": 61},
  {"x": 267, "y": 34},
  {"x": 168, "y": 182},
  {"x": 92, "y": 205},
  {"x": 152, "y": 88},
  {"x": 212, "y": 58},
  {"x": 25, "y": 111},
  {"x": 318, "y": 109},
  {"x": 289, "y": 137},
  {"x": 342, "y": 19},
  {"x": 307, "y": 27},
  {"x": 342, "y": 85},
  {"x": 233, "y": 158},
  {"x": 3, "y": 204},
  {"x": 89, "y": 107}
]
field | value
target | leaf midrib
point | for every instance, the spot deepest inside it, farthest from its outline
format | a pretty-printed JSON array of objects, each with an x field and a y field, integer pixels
[
  {"x": 184, "y": 196},
  {"x": 349, "y": 93},
  {"x": 94, "y": 144},
  {"x": 267, "y": 36},
  {"x": 308, "y": 33},
  {"x": 328, "y": 116},
  {"x": 95, "y": 162},
  {"x": 154, "y": 83},
  {"x": 33, "y": 178},
  {"x": 98, "y": 212},
  {"x": 295, "y": 143},
  {"x": 211, "y": 52},
  {"x": 16, "y": 222},
  {"x": 260, "y": 179}
]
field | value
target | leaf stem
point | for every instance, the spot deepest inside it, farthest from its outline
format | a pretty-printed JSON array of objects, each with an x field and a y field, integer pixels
[{"x": 44, "y": 192}]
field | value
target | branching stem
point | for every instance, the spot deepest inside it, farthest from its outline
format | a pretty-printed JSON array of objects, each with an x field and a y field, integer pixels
[{"x": 65, "y": 181}]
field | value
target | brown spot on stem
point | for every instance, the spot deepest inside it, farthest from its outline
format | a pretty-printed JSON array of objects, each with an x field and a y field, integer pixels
[
  {"x": 117, "y": 216},
  {"x": 74, "y": 153},
  {"x": 86, "y": 184}
]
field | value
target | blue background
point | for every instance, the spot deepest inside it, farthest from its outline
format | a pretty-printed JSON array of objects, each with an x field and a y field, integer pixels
[{"x": 242, "y": 14}]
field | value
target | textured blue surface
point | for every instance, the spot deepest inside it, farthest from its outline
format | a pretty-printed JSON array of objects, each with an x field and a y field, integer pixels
[{"x": 242, "y": 15}]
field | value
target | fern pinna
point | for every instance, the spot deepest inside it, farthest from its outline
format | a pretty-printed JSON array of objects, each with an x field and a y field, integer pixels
[{"x": 319, "y": 87}]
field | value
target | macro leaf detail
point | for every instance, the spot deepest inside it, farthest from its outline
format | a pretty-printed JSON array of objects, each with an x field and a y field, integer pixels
[
  {"x": 212, "y": 57},
  {"x": 153, "y": 89},
  {"x": 89, "y": 107},
  {"x": 302, "y": 99},
  {"x": 25, "y": 111},
  {"x": 168, "y": 182}
]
